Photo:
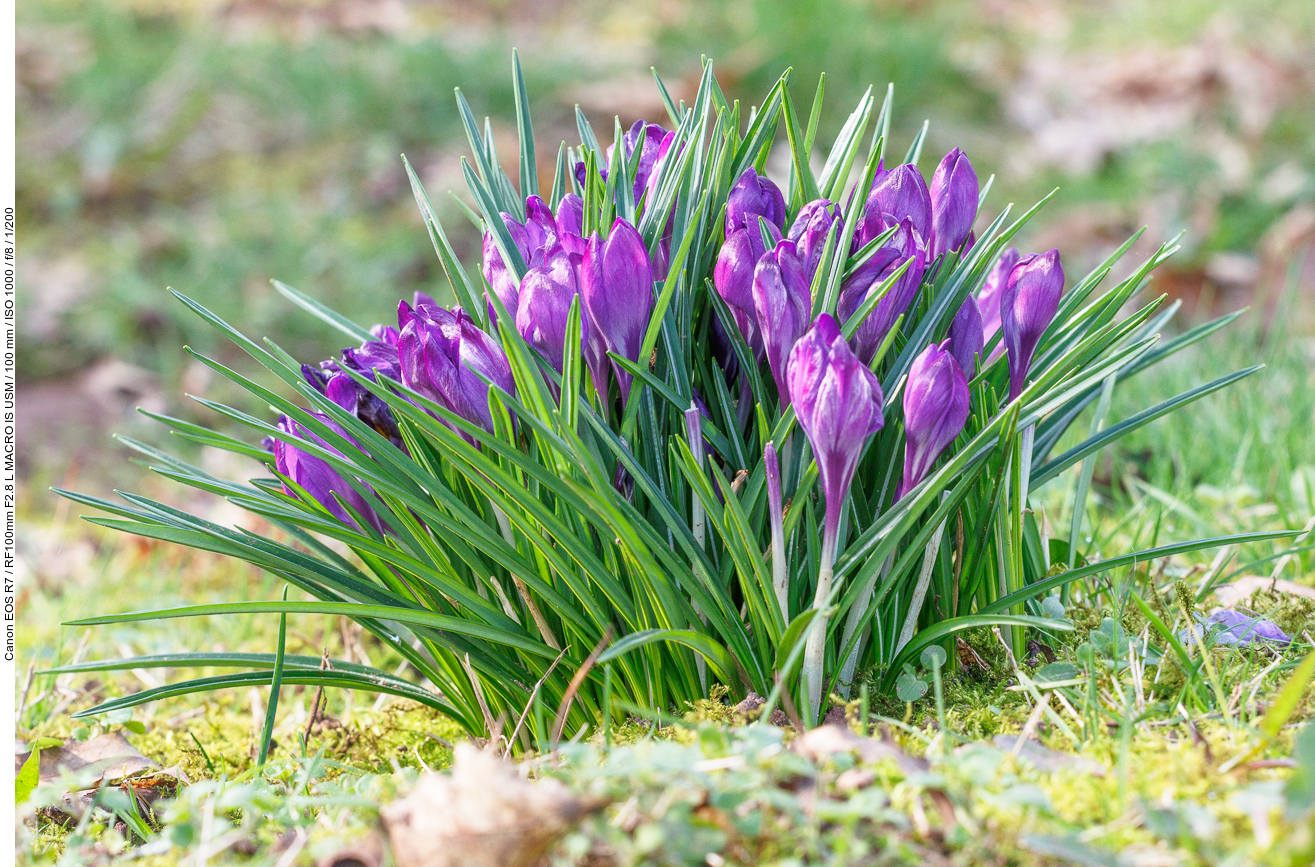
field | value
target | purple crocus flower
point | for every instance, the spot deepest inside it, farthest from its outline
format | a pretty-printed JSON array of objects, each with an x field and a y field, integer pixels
[
  {"x": 810, "y": 229},
  {"x": 838, "y": 403},
  {"x": 935, "y": 409},
  {"x": 782, "y": 300},
  {"x": 570, "y": 216},
  {"x": 616, "y": 288},
  {"x": 1028, "y": 304},
  {"x": 545, "y": 303},
  {"x": 733, "y": 277},
  {"x": 754, "y": 196},
  {"x": 496, "y": 271},
  {"x": 447, "y": 358},
  {"x": 953, "y": 203},
  {"x": 648, "y": 137},
  {"x": 966, "y": 338},
  {"x": 374, "y": 357},
  {"x": 901, "y": 193},
  {"x": 988, "y": 297},
  {"x": 1235, "y": 629},
  {"x": 904, "y": 245},
  {"x": 317, "y": 477}
]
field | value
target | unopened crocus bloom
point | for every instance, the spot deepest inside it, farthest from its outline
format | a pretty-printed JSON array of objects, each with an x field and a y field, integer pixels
[
  {"x": 782, "y": 300},
  {"x": 810, "y": 228},
  {"x": 838, "y": 403},
  {"x": 545, "y": 303},
  {"x": 904, "y": 246},
  {"x": 370, "y": 359},
  {"x": 953, "y": 203},
  {"x": 902, "y": 193},
  {"x": 448, "y": 359},
  {"x": 317, "y": 477},
  {"x": 1027, "y": 306},
  {"x": 648, "y": 137},
  {"x": 754, "y": 196},
  {"x": 988, "y": 298},
  {"x": 496, "y": 270},
  {"x": 616, "y": 288},
  {"x": 935, "y": 410},
  {"x": 733, "y": 278},
  {"x": 966, "y": 336}
]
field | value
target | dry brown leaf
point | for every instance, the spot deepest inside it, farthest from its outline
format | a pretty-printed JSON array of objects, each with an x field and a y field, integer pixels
[
  {"x": 484, "y": 814},
  {"x": 110, "y": 754}
]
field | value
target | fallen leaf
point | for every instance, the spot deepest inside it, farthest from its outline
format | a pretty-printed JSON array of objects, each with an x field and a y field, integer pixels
[
  {"x": 110, "y": 755},
  {"x": 485, "y": 814}
]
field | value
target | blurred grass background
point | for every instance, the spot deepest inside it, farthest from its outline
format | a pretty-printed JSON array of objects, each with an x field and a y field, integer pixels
[{"x": 211, "y": 146}]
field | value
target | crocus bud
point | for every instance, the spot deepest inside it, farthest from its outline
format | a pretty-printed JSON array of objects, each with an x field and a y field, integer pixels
[
  {"x": 935, "y": 409},
  {"x": 545, "y": 303},
  {"x": 810, "y": 229},
  {"x": 733, "y": 277},
  {"x": 966, "y": 336},
  {"x": 664, "y": 148},
  {"x": 646, "y": 136},
  {"x": 902, "y": 193},
  {"x": 988, "y": 298},
  {"x": 616, "y": 287},
  {"x": 570, "y": 215},
  {"x": 540, "y": 225},
  {"x": 782, "y": 300},
  {"x": 446, "y": 358},
  {"x": 754, "y": 195},
  {"x": 904, "y": 246},
  {"x": 317, "y": 477},
  {"x": 953, "y": 203},
  {"x": 496, "y": 271},
  {"x": 1029, "y": 303},
  {"x": 838, "y": 403}
]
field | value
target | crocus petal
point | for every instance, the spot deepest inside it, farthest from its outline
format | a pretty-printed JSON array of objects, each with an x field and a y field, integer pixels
[
  {"x": 988, "y": 298},
  {"x": 902, "y": 193},
  {"x": 1028, "y": 304},
  {"x": 782, "y": 302},
  {"x": 838, "y": 403},
  {"x": 936, "y": 403},
  {"x": 496, "y": 271},
  {"x": 545, "y": 303},
  {"x": 570, "y": 215},
  {"x": 966, "y": 336},
  {"x": 317, "y": 477},
  {"x": 733, "y": 277},
  {"x": 616, "y": 287},
  {"x": 810, "y": 228},
  {"x": 904, "y": 246},
  {"x": 953, "y": 203},
  {"x": 754, "y": 195}
]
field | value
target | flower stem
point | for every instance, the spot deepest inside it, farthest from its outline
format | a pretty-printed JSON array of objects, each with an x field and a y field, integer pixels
[
  {"x": 815, "y": 649},
  {"x": 920, "y": 589},
  {"x": 780, "y": 577}
]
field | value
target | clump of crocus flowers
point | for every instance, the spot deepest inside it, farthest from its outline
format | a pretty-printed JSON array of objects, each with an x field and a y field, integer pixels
[{"x": 821, "y": 364}]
